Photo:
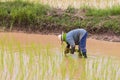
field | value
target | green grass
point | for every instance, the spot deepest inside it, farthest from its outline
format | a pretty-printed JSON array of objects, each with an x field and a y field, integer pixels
[
  {"x": 21, "y": 12},
  {"x": 35, "y": 62},
  {"x": 115, "y": 10},
  {"x": 36, "y": 17}
]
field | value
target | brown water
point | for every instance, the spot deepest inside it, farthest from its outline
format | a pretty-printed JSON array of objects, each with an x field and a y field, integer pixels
[
  {"x": 94, "y": 47},
  {"x": 105, "y": 48}
]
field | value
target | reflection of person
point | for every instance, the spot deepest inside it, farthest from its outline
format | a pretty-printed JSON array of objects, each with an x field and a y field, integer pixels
[{"x": 75, "y": 37}]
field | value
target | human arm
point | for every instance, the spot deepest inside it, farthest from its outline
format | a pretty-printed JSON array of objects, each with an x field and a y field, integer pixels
[
  {"x": 67, "y": 48},
  {"x": 72, "y": 49},
  {"x": 72, "y": 45}
]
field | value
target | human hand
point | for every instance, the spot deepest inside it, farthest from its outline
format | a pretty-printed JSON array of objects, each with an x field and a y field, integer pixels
[{"x": 66, "y": 50}]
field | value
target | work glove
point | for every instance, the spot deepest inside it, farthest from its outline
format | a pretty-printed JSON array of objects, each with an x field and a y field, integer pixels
[
  {"x": 66, "y": 50},
  {"x": 84, "y": 54},
  {"x": 72, "y": 50}
]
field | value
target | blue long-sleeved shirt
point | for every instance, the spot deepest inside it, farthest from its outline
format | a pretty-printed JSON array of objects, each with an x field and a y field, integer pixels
[{"x": 74, "y": 36}]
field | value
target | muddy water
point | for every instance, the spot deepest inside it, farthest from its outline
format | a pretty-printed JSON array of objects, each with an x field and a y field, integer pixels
[
  {"x": 94, "y": 47},
  {"x": 103, "y": 48},
  {"x": 25, "y": 38}
]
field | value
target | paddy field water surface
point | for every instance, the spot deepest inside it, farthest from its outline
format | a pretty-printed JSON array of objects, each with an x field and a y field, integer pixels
[{"x": 39, "y": 57}]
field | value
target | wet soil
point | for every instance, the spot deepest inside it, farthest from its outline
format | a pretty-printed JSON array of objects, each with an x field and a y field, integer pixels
[
  {"x": 94, "y": 47},
  {"x": 106, "y": 37}
]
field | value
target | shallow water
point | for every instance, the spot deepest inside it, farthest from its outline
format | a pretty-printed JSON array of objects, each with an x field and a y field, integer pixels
[
  {"x": 103, "y": 48},
  {"x": 94, "y": 47},
  {"x": 102, "y": 56}
]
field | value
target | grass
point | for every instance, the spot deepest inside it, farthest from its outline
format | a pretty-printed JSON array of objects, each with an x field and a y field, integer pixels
[
  {"x": 36, "y": 17},
  {"x": 115, "y": 10},
  {"x": 64, "y": 4},
  {"x": 31, "y": 62}
]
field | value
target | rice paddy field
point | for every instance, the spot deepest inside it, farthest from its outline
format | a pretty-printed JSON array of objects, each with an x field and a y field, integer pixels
[
  {"x": 36, "y": 57},
  {"x": 79, "y": 3},
  {"x": 76, "y": 3},
  {"x": 23, "y": 58}
]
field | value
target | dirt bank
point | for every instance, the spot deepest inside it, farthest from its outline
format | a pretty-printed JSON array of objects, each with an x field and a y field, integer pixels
[
  {"x": 28, "y": 17},
  {"x": 105, "y": 37},
  {"x": 94, "y": 47}
]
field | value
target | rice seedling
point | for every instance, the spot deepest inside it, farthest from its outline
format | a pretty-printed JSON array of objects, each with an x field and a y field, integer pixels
[
  {"x": 102, "y": 68},
  {"x": 33, "y": 62},
  {"x": 74, "y": 3},
  {"x": 78, "y": 3}
]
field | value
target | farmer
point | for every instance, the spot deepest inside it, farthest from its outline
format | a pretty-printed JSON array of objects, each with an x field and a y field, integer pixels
[{"x": 75, "y": 37}]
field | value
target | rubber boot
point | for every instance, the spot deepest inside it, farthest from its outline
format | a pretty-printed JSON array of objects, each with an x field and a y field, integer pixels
[{"x": 84, "y": 54}]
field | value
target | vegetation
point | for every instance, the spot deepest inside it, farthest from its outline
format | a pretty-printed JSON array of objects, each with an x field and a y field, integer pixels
[
  {"x": 77, "y": 3},
  {"x": 26, "y": 16},
  {"x": 33, "y": 62},
  {"x": 18, "y": 62}
]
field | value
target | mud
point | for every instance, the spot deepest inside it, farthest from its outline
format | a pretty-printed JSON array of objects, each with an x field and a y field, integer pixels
[{"x": 94, "y": 47}]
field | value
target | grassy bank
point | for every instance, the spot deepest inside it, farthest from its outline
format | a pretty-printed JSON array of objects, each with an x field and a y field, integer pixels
[{"x": 35, "y": 17}]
